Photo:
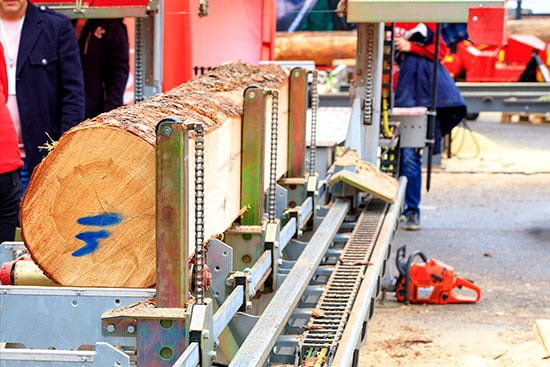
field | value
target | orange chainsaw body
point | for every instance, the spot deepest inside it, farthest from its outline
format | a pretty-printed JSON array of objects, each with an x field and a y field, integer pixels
[{"x": 433, "y": 282}]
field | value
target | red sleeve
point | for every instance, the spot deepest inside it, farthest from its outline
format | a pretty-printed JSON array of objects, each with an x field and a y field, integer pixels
[
  {"x": 427, "y": 51},
  {"x": 3, "y": 75}
]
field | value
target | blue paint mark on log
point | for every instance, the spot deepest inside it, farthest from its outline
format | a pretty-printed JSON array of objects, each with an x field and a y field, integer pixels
[
  {"x": 101, "y": 220},
  {"x": 91, "y": 240}
]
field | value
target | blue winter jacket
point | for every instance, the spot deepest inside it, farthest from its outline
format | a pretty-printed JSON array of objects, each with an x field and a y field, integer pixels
[
  {"x": 414, "y": 89},
  {"x": 49, "y": 81}
]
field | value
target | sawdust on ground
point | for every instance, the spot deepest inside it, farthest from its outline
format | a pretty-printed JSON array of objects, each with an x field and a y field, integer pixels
[{"x": 432, "y": 335}]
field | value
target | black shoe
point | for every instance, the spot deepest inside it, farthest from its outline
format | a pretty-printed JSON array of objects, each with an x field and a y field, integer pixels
[{"x": 412, "y": 223}]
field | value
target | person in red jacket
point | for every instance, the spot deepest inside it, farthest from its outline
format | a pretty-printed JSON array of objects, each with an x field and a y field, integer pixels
[
  {"x": 10, "y": 163},
  {"x": 415, "y": 43}
]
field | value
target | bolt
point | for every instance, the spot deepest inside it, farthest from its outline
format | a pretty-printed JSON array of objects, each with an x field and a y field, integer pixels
[
  {"x": 206, "y": 335},
  {"x": 248, "y": 305},
  {"x": 167, "y": 131},
  {"x": 252, "y": 95},
  {"x": 111, "y": 328},
  {"x": 212, "y": 355},
  {"x": 131, "y": 329}
]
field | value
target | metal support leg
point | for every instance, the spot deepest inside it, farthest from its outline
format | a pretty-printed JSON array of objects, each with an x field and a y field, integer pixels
[{"x": 364, "y": 127}]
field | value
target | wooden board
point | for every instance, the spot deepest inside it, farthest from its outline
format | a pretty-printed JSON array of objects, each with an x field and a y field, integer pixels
[
  {"x": 365, "y": 177},
  {"x": 88, "y": 216}
]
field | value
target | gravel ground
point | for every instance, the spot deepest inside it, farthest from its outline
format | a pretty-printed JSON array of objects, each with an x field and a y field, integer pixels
[{"x": 487, "y": 215}]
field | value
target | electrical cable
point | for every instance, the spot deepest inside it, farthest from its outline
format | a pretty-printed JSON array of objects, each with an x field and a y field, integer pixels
[{"x": 467, "y": 128}]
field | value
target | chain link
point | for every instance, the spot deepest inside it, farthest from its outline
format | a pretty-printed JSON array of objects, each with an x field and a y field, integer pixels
[
  {"x": 314, "y": 108},
  {"x": 368, "y": 97},
  {"x": 272, "y": 198},
  {"x": 139, "y": 49},
  {"x": 199, "y": 214}
]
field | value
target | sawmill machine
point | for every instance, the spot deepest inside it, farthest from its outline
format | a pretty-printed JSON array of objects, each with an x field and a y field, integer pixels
[{"x": 293, "y": 281}]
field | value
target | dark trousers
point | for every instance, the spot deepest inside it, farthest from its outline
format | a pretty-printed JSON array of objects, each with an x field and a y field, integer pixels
[{"x": 10, "y": 190}]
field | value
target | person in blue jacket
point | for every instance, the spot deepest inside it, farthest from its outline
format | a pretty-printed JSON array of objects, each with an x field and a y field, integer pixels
[
  {"x": 45, "y": 81},
  {"x": 415, "y": 43}
]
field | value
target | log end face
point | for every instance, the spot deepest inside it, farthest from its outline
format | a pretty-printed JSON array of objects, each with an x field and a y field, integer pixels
[{"x": 88, "y": 220}]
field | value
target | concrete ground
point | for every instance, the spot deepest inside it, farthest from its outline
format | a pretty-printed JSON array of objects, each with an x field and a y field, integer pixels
[{"x": 487, "y": 215}]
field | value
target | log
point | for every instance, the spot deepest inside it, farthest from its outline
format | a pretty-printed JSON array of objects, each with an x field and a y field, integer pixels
[
  {"x": 321, "y": 47},
  {"x": 325, "y": 47},
  {"x": 88, "y": 215},
  {"x": 539, "y": 27}
]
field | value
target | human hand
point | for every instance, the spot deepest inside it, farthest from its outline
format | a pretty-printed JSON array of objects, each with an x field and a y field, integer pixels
[{"x": 402, "y": 45}]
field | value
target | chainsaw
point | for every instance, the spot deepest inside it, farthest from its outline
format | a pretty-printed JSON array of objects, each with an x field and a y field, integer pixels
[{"x": 432, "y": 281}]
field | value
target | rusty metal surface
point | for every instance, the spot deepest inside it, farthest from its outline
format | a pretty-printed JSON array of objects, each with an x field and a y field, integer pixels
[{"x": 297, "y": 123}]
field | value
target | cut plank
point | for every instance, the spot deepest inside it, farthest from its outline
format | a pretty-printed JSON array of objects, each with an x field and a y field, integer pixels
[
  {"x": 352, "y": 170},
  {"x": 88, "y": 215}
]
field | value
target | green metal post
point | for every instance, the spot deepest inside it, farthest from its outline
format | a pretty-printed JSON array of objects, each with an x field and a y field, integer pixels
[
  {"x": 172, "y": 211},
  {"x": 252, "y": 155}
]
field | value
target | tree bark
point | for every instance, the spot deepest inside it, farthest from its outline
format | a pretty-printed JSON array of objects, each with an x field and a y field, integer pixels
[{"x": 88, "y": 215}]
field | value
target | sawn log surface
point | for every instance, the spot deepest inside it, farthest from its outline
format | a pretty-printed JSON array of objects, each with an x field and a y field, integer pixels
[{"x": 88, "y": 215}]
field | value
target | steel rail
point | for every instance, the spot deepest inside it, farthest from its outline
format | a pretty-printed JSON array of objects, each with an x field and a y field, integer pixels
[
  {"x": 256, "y": 348},
  {"x": 227, "y": 310},
  {"x": 190, "y": 357},
  {"x": 352, "y": 335}
]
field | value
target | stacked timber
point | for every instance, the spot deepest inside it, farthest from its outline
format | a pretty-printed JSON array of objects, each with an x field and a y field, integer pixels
[{"x": 88, "y": 215}]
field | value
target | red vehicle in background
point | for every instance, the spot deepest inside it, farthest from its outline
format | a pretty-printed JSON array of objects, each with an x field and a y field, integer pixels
[{"x": 524, "y": 58}]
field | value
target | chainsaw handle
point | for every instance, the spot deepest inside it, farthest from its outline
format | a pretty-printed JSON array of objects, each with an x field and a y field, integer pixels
[
  {"x": 461, "y": 282},
  {"x": 402, "y": 265},
  {"x": 399, "y": 259}
]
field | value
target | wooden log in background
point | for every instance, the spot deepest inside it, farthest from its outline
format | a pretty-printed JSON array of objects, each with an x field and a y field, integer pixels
[
  {"x": 539, "y": 27},
  {"x": 325, "y": 47},
  {"x": 321, "y": 47},
  {"x": 88, "y": 215}
]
